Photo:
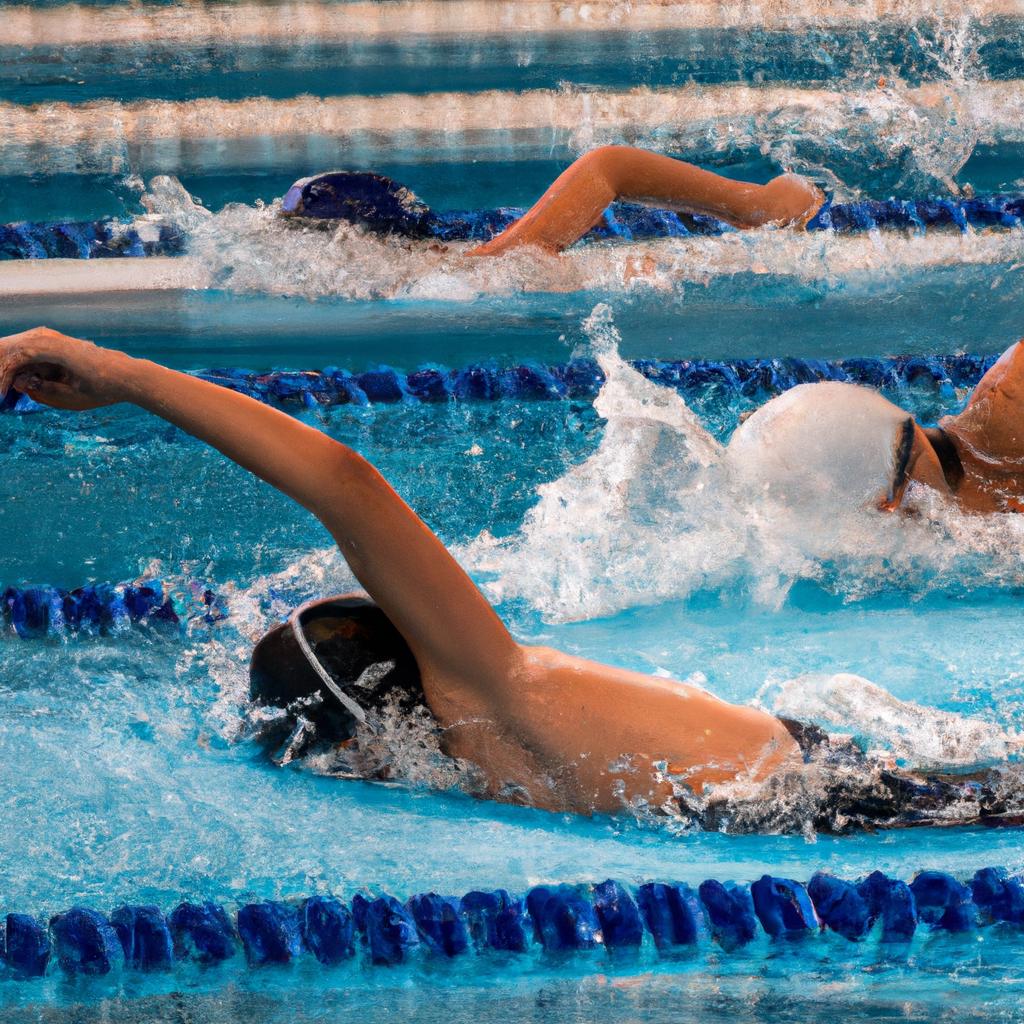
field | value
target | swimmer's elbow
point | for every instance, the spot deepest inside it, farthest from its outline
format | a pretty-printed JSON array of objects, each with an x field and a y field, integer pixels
[
  {"x": 779, "y": 751},
  {"x": 334, "y": 476}
]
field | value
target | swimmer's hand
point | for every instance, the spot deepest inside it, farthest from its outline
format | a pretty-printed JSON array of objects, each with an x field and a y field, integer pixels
[{"x": 56, "y": 370}]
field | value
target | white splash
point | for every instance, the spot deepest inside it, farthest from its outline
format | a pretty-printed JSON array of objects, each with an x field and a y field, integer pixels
[
  {"x": 633, "y": 521},
  {"x": 251, "y": 249},
  {"x": 915, "y": 735},
  {"x": 654, "y": 515}
]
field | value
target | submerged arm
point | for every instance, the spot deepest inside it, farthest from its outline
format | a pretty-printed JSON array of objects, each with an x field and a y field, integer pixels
[
  {"x": 581, "y": 194},
  {"x": 445, "y": 619}
]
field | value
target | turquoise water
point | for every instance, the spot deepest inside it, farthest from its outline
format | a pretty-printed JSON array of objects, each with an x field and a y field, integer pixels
[
  {"x": 411, "y": 64},
  {"x": 128, "y": 771},
  {"x": 135, "y": 781},
  {"x": 511, "y": 174}
]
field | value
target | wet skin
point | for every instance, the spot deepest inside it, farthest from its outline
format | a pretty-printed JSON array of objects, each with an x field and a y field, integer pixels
[
  {"x": 546, "y": 728},
  {"x": 989, "y": 439},
  {"x": 577, "y": 199}
]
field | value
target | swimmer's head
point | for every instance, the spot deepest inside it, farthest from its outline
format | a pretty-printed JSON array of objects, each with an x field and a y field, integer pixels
[
  {"x": 370, "y": 200},
  {"x": 826, "y": 447},
  {"x": 332, "y": 663}
]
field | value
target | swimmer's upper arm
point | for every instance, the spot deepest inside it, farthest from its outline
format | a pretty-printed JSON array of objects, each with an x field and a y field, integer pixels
[{"x": 405, "y": 568}]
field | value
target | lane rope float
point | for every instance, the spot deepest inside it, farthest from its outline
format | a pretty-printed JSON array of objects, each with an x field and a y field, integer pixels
[
  {"x": 578, "y": 379},
  {"x": 106, "y": 608},
  {"x": 553, "y": 919},
  {"x": 384, "y": 206}
]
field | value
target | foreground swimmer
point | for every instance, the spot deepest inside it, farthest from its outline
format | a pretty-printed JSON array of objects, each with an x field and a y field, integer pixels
[
  {"x": 578, "y": 198},
  {"x": 545, "y": 728}
]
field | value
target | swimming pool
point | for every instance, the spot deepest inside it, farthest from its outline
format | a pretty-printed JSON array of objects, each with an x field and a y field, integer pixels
[{"x": 130, "y": 777}]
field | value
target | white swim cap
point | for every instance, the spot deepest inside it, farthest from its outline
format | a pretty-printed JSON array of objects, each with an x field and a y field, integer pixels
[{"x": 827, "y": 445}]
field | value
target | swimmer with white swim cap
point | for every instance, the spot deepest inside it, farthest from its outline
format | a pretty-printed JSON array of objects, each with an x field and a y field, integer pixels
[
  {"x": 837, "y": 443},
  {"x": 544, "y": 727}
]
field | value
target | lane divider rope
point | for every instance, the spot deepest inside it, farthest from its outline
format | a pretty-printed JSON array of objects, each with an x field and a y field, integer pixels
[
  {"x": 106, "y": 608},
  {"x": 115, "y": 239},
  {"x": 554, "y": 919},
  {"x": 578, "y": 379},
  {"x": 300, "y": 21}
]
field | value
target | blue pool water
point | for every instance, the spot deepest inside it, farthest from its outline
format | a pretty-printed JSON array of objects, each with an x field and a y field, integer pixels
[{"x": 129, "y": 771}]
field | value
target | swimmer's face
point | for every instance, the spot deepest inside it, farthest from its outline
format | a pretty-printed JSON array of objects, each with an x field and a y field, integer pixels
[{"x": 923, "y": 466}]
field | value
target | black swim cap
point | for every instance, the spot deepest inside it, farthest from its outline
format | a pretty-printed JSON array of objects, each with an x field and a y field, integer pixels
[
  {"x": 359, "y": 197},
  {"x": 333, "y": 661}
]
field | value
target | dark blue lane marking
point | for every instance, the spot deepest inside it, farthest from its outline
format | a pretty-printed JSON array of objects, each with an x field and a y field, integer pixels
[
  {"x": 549, "y": 919},
  {"x": 755, "y": 379}
]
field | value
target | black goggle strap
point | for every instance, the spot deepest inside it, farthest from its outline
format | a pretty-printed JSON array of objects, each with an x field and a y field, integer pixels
[{"x": 294, "y": 620}]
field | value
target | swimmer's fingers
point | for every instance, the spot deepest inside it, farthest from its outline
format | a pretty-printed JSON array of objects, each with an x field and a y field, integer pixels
[
  {"x": 57, "y": 393},
  {"x": 19, "y": 352},
  {"x": 63, "y": 371}
]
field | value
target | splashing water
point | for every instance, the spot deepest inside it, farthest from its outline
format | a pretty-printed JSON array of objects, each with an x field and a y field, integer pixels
[
  {"x": 917, "y": 736},
  {"x": 252, "y": 250},
  {"x": 654, "y": 515},
  {"x": 595, "y": 534}
]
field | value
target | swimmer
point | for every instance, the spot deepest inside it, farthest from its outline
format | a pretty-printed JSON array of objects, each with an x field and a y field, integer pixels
[
  {"x": 833, "y": 442},
  {"x": 577, "y": 199},
  {"x": 544, "y": 727}
]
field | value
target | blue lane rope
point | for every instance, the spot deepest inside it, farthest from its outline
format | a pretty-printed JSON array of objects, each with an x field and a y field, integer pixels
[
  {"x": 670, "y": 917},
  {"x": 579, "y": 379},
  {"x": 111, "y": 238},
  {"x": 86, "y": 240},
  {"x": 106, "y": 608}
]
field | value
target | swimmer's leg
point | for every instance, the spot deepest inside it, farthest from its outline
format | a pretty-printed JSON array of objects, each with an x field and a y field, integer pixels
[{"x": 581, "y": 194}]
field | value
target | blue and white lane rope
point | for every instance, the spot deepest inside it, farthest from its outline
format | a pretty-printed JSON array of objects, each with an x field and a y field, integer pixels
[
  {"x": 105, "y": 239},
  {"x": 556, "y": 919},
  {"x": 579, "y": 379}
]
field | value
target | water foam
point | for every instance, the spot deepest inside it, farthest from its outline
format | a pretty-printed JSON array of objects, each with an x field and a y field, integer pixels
[
  {"x": 250, "y": 249},
  {"x": 915, "y": 735},
  {"x": 654, "y": 515}
]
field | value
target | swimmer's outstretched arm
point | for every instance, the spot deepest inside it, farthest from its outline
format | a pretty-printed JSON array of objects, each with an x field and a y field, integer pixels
[
  {"x": 447, "y": 622},
  {"x": 581, "y": 194}
]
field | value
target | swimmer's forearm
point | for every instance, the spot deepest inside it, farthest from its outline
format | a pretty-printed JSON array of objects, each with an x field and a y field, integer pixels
[
  {"x": 576, "y": 201},
  {"x": 286, "y": 453}
]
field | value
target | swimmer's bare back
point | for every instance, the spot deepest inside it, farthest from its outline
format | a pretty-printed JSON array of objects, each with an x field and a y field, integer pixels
[
  {"x": 581, "y": 194},
  {"x": 544, "y": 727}
]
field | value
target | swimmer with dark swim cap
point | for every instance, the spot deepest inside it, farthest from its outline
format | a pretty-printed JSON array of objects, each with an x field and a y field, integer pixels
[
  {"x": 574, "y": 203},
  {"x": 544, "y": 727}
]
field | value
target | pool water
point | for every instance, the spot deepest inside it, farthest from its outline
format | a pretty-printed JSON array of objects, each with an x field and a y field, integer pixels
[{"x": 130, "y": 771}]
